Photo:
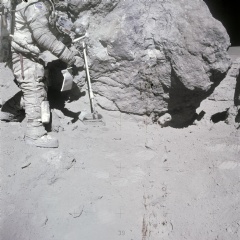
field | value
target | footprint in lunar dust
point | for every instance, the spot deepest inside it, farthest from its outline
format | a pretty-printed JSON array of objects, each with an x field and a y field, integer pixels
[
  {"x": 154, "y": 224},
  {"x": 155, "y": 229}
]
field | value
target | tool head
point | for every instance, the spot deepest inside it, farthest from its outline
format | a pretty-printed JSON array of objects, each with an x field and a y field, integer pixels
[{"x": 94, "y": 119}]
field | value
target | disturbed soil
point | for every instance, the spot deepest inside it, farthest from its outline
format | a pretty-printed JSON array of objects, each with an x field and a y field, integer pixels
[{"x": 129, "y": 180}]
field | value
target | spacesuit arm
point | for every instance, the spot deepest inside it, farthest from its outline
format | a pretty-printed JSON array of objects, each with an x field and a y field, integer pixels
[{"x": 38, "y": 23}]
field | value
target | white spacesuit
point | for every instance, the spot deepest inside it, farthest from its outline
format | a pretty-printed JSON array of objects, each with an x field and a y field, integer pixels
[{"x": 32, "y": 36}]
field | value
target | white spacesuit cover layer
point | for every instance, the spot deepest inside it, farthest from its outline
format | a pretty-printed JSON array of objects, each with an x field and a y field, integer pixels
[{"x": 32, "y": 31}]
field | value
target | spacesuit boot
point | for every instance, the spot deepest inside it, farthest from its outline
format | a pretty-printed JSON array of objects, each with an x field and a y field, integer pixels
[
  {"x": 46, "y": 141},
  {"x": 12, "y": 110},
  {"x": 35, "y": 132}
]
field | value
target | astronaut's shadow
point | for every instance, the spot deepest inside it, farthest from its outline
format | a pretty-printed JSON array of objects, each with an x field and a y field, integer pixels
[{"x": 56, "y": 98}]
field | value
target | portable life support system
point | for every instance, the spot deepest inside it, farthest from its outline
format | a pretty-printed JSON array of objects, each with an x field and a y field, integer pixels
[{"x": 6, "y": 28}]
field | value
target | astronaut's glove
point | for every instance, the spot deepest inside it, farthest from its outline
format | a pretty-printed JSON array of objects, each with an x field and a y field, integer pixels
[
  {"x": 79, "y": 63},
  {"x": 74, "y": 50}
]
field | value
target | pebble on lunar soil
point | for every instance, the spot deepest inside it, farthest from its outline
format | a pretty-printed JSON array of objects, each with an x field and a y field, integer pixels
[
  {"x": 163, "y": 120},
  {"x": 26, "y": 161},
  {"x": 26, "y": 165},
  {"x": 77, "y": 212}
]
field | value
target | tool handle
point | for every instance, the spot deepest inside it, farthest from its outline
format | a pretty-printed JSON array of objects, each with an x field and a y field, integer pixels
[
  {"x": 91, "y": 96},
  {"x": 80, "y": 38}
]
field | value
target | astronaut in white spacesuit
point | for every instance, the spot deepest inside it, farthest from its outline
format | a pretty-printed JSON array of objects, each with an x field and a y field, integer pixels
[{"x": 32, "y": 36}]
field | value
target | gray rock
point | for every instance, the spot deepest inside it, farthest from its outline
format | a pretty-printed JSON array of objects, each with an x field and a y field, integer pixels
[
  {"x": 163, "y": 120},
  {"x": 154, "y": 56},
  {"x": 76, "y": 212},
  {"x": 234, "y": 71},
  {"x": 55, "y": 164}
]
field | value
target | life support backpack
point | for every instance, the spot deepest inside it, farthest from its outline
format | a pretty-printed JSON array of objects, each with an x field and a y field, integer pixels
[
  {"x": 6, "y": 28},
  {"x": 7, "y": 16}
]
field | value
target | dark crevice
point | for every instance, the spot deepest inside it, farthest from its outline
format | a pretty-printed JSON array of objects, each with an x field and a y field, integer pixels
[
  {"x": 237, "y": 119},
  {"x": 237, "y": 92}
]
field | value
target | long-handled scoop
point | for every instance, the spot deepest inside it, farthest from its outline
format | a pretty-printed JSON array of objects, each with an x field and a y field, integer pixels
[{"x": 94, "y": 117}]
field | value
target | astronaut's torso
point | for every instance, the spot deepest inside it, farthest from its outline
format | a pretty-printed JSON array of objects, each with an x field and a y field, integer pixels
[{"x": 35, "y": 10}]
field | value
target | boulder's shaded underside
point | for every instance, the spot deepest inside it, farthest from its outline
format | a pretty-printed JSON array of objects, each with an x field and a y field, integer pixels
[{"x": 153, "y": 57}]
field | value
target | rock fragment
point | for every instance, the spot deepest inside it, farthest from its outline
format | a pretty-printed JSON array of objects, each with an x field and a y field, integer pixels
[
  {"x": 77, "y": 212},
  {"x": 54, "y": 164},
  {"x": 164, "y": 120}
]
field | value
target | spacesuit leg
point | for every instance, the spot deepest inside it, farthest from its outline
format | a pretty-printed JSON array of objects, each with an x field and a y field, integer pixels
[{"x": 30, "y": 76}]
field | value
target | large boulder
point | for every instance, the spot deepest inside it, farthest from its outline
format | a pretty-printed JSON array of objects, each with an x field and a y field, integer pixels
[{"x": 154, "y": 56}]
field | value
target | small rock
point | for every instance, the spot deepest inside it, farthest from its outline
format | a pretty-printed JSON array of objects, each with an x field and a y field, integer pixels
[
  {"x": 118, "y": 138},
  {"x": 26, "y": 165},
  {"x": 55, "y": 163},
  {"x": 164, "y": 157},
  {"x": 45, "y": 222},
  {"x": 39, "y": 219},
  {"x": 26, "y": 162},
  {"x": 59, "y": 159},
  {"x": 77, "y": 212},
  {"x": 163, "y": 120},
  {"x": 150, "y": 144},
  {"x": 74, "y": 127}
]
